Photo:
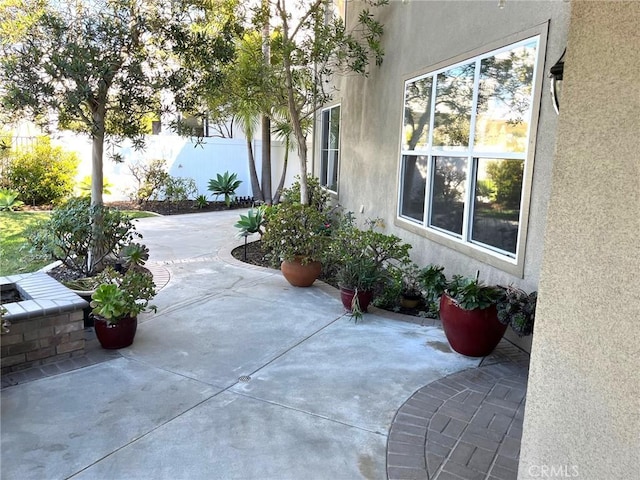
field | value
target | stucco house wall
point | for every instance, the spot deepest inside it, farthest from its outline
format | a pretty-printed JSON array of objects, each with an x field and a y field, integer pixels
[
  {"x": 420, "y": 35},
  {"x": 582, "y": 418}
]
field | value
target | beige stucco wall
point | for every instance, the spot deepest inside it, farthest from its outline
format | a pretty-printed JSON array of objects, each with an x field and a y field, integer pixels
[
  {"x": 418, "y": 35},
  {"x": 583, "y": 401}
]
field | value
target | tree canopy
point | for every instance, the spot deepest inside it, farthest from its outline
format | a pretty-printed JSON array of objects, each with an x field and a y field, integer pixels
[{"x": 101, "y": 66}]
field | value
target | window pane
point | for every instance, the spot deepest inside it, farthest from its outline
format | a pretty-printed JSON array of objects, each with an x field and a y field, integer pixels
[
  {"x": 454, "y": 96},
  {"x": 417, "y": 114},
  {"x": 325, "y": 129},
  {"x": 332, "y": 175},
  {"x": 334, "y": 130},
  {"x": 324, "y": 166},
  {"x": 496, "y": 210},
  {"x": 414, "y": 182},
  {"x": 504, "y": 100},
  {"x": 447, "y": 201},
  {"x": 330, "y": 148}
]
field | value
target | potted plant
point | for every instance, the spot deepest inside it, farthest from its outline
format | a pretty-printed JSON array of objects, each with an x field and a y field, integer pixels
[
  {"x": 411, "y": 291},
  {"x": 296, "y": 236},
  {"x": 469, "y": 316},
  {"x": 363, "y": 260},
  {"x": 357, "y": 279},
  {"x": 517, "y": 309},
  {"x": 116, "y": 304}
]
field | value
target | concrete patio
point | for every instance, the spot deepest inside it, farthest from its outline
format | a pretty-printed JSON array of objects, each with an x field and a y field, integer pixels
[{"x": 241, "y": 376}]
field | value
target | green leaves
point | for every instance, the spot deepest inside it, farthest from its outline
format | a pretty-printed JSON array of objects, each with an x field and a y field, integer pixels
[
  {"x": 108, "y": 302},
  {"x": 251, "y": 223},
  {"x": 226, "y": 185},
  {"x": 518, "y": 309},
  {"x": 68, "y": 234},
  {"x": 123, "y": 295},
  {"x": 9, "y": 200},
  {"x": 472, "y": 294},
  {"x": 134, "y": 254}
]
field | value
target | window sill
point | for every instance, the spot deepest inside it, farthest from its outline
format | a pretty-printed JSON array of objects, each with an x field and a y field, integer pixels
[{"x": 470, "y": 250}]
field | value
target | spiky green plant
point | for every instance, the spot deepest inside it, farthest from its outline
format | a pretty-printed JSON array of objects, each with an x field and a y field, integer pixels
[{"x": 225, "y": 184}]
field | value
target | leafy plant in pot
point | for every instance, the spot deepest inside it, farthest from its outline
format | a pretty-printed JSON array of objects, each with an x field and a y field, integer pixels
[
  {"x": 411, "y": 292},
  {"x": 363, "y": 261},
  {"x": 296, "y": 236},
  {"x": 116, "y": 304},
  {"x": 469, "y": 316}
]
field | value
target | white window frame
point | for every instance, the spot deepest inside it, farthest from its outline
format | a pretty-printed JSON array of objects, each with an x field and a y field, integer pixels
[
  {"x": 513, "y": 264},
  {"x": 324, "y": 179}
]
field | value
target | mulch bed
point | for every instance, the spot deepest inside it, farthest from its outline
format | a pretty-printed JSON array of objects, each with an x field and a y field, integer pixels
[
  {"x": 255, "y": 255},
  {"x": 163, "y": 207},
  {"x": 178, "y": 208}
]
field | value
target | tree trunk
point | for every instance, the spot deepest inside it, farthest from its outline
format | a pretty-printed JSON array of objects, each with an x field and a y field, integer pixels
[
  {"x": 294, "y": 115},
  {"x": 266, "y": 159},
  {"x": 96, "y": 249},
  {"x": 255, "y": 183},
  {"x": 276, "y": 197},
  {"x": 266, "y": 121}
]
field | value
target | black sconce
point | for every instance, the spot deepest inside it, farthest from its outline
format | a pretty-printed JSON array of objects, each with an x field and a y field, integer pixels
[{"x": 556, "y": 81}]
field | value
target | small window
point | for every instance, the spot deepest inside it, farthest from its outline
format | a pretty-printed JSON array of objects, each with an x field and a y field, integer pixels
[
  {"x": 466, "y": 130},
  {"x": 330, "y": 148},
  {"x": 337, "y": 9}
]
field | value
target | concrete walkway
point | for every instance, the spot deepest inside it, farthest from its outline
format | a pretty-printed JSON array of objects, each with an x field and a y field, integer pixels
[{"x": 237, "y": 376}]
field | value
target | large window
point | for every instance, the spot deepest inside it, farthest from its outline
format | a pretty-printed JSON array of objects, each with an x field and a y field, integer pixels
[
  {"x": 465, "y": 140},
  {"x": 330, "y": 148}
]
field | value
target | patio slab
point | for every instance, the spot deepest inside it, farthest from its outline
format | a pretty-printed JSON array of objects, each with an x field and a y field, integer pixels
[
  {"x": 57, "y": 426},
  {"x": 238, "y": 375}
]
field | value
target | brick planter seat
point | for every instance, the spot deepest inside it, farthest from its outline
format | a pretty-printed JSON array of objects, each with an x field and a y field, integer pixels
[{"x": 45, "y": 327}]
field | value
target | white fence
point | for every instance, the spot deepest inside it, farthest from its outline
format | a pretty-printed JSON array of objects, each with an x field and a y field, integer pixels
[{"x": 184, "y": 158}]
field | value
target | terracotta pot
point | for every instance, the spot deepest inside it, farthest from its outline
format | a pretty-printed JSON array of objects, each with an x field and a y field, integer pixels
[
  {"x": 364, "y": 298},
  {"x": 300, "y": 275},
  {"x": 115, "y": 335},
  {"x": 474, "y": 333}
]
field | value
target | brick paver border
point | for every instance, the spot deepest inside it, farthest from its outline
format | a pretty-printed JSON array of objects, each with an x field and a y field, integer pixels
[{"x": 465, "y": 426}]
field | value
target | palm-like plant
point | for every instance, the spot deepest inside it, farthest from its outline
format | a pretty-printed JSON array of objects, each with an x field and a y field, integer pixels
[
  {"x": 226, "y": 185},
  {"x": 251, "y": 223}
]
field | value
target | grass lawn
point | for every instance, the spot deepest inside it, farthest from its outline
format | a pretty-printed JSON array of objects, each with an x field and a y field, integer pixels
[{"x": 14, "y": 254}]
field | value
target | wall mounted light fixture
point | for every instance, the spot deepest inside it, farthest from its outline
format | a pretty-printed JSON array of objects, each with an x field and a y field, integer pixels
[{"x": 556, "y": 72}]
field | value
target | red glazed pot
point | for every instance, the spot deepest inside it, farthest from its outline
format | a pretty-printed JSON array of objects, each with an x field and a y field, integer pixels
[
  {"x": 300, "y": 275},
  {"x": 364, "y": 298},
  {"x": 474, "y": 333},
  {"x": 115, "y": 335}
]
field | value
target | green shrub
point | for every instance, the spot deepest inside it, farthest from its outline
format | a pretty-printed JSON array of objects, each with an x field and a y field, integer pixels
[
  {"x": 433, "y": 282},
  {"x": 179, "y": 189},
  {"x": 151, "y": 177},
  {"x": 68, "y": 234},
  {"x": 43, "y": 174}
]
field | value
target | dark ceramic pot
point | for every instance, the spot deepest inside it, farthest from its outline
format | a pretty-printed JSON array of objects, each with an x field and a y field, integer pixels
[
  {"x": 115, "y": 335},
  {"x": 409, "y": 301},
  {"x": 300, "y": 275},
  {"x": 364, "y": 298},
  {"x": 474, "y": 333}
]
